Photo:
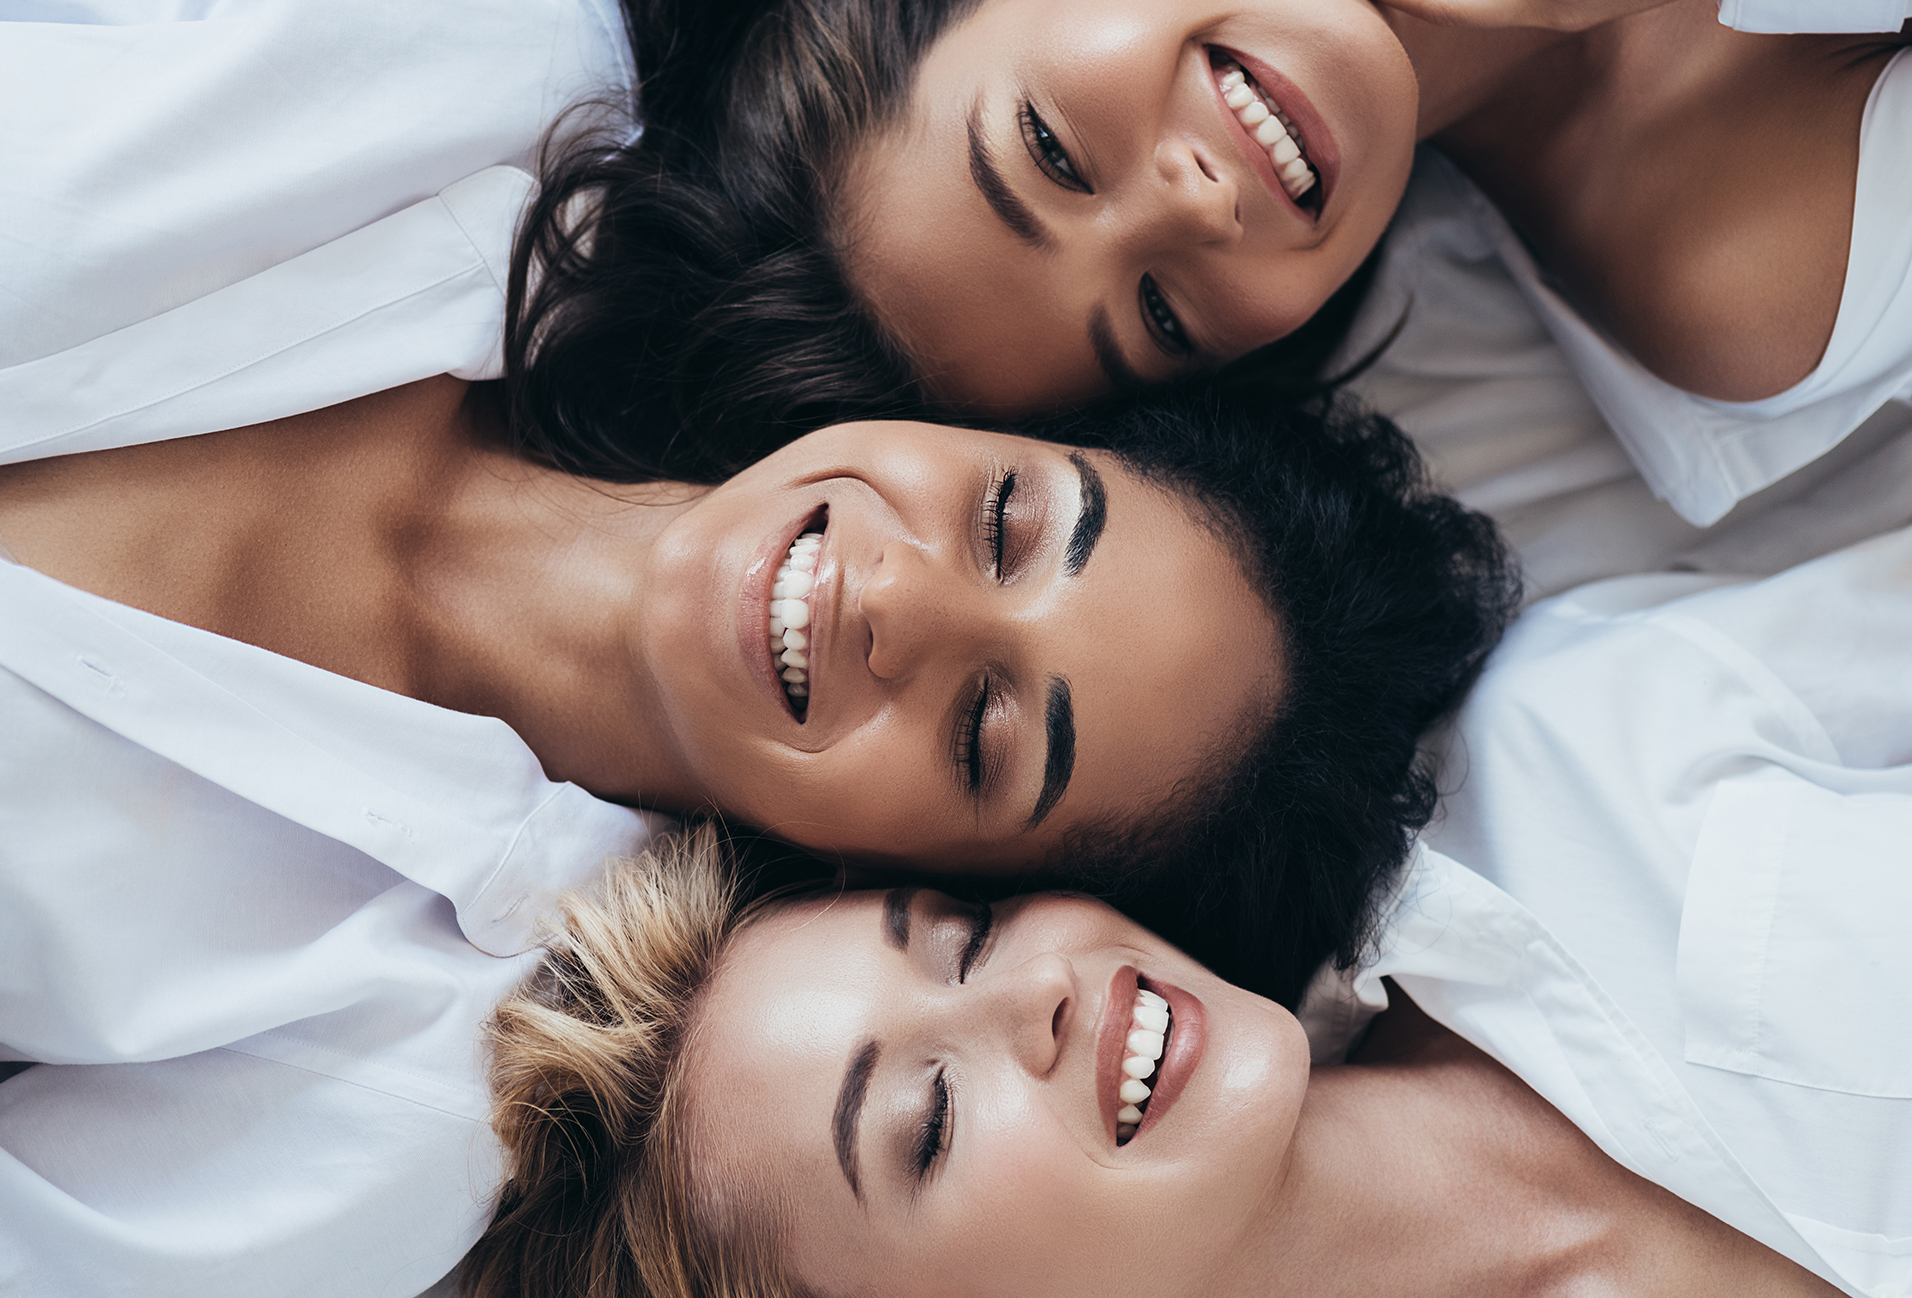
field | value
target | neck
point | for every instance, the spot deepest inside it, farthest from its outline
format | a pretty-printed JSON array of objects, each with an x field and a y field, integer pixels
[
  {"x": 1460, "y": 69},
  {"x": 1426, "y": 1168},
  {"x": 530, "y": 587},
  {"x": 1400, "y": 1183}
]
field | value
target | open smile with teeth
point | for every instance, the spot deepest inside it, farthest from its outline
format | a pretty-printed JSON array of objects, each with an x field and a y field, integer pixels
[
  {"x": 1148, "y": 1037},
  {"x": 1262, "y": 118},
  {"x": 790, "y": 618}
]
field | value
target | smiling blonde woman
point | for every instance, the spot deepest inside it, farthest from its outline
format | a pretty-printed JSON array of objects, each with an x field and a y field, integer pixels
[{"x": 1035, "y": 1098}]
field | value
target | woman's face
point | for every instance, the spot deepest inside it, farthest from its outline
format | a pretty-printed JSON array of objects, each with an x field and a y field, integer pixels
[
  {"x": 1070, "y": 202},
  {"x": 1002, "y": 640},
  {"x": 933, "y": 1115}
]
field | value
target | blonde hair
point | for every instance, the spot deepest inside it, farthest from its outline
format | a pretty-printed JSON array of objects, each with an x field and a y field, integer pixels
[{"x": 587, "y": 1076}]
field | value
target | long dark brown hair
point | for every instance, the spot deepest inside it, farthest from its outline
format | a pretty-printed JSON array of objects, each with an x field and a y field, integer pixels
[{"x": 678, "y": 301}]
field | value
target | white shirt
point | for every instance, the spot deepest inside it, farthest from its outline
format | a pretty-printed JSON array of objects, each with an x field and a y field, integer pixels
[
  {"x": 221, "y": 212},
  {"x": 252, "y": 914},
  {"x": 1492, "y": 400},
  {"x": 1815, "y": 15},
  {"x": 1669, "y": 890},
  {"x": 1701, "y": 455}
]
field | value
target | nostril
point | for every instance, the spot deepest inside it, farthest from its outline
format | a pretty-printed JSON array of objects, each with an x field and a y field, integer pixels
[{"x": 1055, "y": 1020}]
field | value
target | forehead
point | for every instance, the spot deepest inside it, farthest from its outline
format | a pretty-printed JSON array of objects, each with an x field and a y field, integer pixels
[
  {"x": 1168, "y": 649},
  {"x": 794, "y": 994}
]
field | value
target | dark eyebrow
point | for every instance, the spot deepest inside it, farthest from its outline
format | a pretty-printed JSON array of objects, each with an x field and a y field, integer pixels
[
  {"x": 1092, "y": 519},
  {"x": 896, "y": 917},
  {"x": 1002, "y": 200},
  {"x": 1108, "y": 352},
  {"x": 1059, "y": 718},
  {"x": 849, "y": 1108}
]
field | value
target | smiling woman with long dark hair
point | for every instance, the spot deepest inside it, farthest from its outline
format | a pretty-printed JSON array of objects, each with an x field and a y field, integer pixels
[{"x": 1013, "y": 205}]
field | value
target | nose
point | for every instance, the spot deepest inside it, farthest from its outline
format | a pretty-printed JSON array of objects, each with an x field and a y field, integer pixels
[
  {"x": 1199, "y": 202},
  {"x": 917, "y": 612},
  {"x": 1032, "y": 1006}
]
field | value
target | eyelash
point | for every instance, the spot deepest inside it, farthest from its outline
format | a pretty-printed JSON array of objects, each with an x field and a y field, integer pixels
[
  {"x": 930, "y": 1141},
  {"x": 1051, "y": 159},
  {"x": 978, "y": 934},
  {"x": 995, "y": 523},
  {"x": 969, "y": 740},
  {"x": 1163, "y": 325},
  {"x": 933, "y": 1139}
]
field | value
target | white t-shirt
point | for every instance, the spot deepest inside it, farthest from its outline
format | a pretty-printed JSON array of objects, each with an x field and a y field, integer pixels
[
  {"x": 1681, "y": 809},
  {"x": 252, "y": 914}
]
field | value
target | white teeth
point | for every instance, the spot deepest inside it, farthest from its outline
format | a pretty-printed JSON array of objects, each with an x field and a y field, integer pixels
[
  {"x": 1147, "y": 1037},
  {"x": 790, "y": 613},
  {"x": 1146, "y": 1044},
  {"x": 1273, "y": 129}
]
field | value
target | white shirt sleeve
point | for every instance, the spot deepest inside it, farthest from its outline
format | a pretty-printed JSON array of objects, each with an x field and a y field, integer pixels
[
  {"x": 225, "y": 1173},
  {"x": 1778, "y": 16},
  {"x": 152, "y": 154}
]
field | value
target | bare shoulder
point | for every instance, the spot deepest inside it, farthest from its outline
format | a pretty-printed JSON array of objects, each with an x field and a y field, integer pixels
[{"x": 1692, "y": 186}]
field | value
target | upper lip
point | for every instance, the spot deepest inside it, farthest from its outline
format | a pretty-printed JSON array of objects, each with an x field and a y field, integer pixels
[
  {"x": 1111, "y": 1040},
  {"x": 1321, "y": 150}
]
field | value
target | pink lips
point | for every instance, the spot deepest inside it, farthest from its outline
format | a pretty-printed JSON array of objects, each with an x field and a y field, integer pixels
[
  {"x": 1188, "y": 1032},
  {"x": 1322, "y": 151}
]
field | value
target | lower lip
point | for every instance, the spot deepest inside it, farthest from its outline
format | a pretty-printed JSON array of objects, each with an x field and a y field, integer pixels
[
  {"x": 1188, "y": 1033},
  {"x": 1322, "y": 151}
]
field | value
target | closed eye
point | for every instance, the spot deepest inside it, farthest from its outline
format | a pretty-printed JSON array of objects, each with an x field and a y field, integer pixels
[
  {"x": 1046, "y": 151},
  {"x": 932, "y": 1137},
  {"x": 995, "y": 518},
  {"x": 979, "y": 926},
  {"x": 969, "y": 740}
]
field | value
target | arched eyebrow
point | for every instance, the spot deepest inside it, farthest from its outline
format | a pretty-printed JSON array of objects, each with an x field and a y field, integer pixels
[
  {"x": 1059, "y": 765},
  {"x": 1003, "y": 201},
  {"x": 1090, "y": 522},
  {"x": 849, "y": 1111}
]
